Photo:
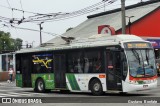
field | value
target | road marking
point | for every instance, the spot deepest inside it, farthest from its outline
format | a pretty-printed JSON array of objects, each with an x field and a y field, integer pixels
[
  {"x": 35, "y": 93},
  {"x": 17, "y": 93},
  {"x": 2, "y": 96},
  {"x": 12, "y": 89},
  {"x": 3, "y": 90},
  {"x": 9, "y": 86},
  {"x": 14, "y": 94},
  {"x": 8, "y": 95}
]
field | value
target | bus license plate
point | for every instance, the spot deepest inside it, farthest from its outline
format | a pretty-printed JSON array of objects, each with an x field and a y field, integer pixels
[{"x": 145, "y": 86}]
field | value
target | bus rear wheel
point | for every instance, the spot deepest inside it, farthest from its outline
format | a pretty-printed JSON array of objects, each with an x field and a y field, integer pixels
[
  {"x": 96, "y": 87},
  {"x": 40, "y": 86},
  {"x": 65, "y": 91}
]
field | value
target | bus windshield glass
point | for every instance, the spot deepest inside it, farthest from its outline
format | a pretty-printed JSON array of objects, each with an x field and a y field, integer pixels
[{"x": 141, "y": 62}]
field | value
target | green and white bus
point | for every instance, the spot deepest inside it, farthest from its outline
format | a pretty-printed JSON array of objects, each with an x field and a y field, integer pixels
[{"x": 120, "y": 63}]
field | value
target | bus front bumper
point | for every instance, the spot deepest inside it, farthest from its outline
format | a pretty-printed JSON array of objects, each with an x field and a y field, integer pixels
[{"x": 128, "y": 87}]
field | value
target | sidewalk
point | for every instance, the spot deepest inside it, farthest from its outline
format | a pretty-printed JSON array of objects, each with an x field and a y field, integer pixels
[{"x": 5, "y": 83}]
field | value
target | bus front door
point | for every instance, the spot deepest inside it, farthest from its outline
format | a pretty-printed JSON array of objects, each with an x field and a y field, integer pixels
[
  {"x": 60, "y": 70},
  {"x": 113, "y": 70},
  {"x": 26, "y": 71}
]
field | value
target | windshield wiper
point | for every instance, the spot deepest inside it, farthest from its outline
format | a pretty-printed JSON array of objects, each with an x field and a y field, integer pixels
[
  {"x": 136, "y": 55},
  {"x": 147, "y": 56}
]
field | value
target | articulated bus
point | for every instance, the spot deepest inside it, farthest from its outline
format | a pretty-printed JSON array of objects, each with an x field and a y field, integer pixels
[{"x": 120, "y": 63}]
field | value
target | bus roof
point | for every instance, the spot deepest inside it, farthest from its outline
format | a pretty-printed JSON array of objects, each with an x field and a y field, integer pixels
[{"x": 92, "y": 41}]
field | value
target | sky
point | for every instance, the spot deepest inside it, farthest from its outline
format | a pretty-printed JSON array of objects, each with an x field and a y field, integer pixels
[{"x": 45, "y": 7}]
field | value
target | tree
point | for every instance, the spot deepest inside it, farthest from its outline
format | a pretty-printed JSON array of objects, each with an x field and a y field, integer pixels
[
  {"x": 4, "y": 40},
  {"x": 9, "y": 44},
  {"x": 18, "y": 43}
]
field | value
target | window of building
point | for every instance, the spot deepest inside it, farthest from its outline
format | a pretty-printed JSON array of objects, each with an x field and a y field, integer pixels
[
  {"x": 10, "y": 61},
  {"x": 7, "y": 62},
  {"x": 4, "y": 62}
]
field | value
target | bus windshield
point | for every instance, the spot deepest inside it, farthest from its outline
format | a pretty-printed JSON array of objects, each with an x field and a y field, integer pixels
[{"x": 141, "y": 62}]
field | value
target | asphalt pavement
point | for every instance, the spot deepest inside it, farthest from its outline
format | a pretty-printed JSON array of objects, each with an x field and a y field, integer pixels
[
  {"x": 74, "y": 98},
  {"x": 6, "y": 83}
]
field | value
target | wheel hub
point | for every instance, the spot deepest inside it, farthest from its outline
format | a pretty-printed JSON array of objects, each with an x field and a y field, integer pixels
[
  {"x": 40, "y": 86},
  {"x": 96, "y": 87}
]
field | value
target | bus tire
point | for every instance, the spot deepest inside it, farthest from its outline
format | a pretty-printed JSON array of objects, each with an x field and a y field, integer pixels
[
  {"x": 40, "y": 86},
  {"x": 35, "y": 89},
  {"x": 123, "y": 93},
  {"x": 96, "y": 87},
  {"x": 65, "y": 91},
  {"x": 47, "y": 90}
]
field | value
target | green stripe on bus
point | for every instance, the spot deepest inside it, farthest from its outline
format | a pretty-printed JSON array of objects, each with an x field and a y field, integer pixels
[
  {"x": 73, "y": 82},
  {"x": 67, "y": 86},
  {"x": 47, "y": 77},
  {"x": 19, "y": 80}
]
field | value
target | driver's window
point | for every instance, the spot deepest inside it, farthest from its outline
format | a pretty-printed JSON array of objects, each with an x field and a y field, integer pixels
[{"x": 124, "y": 64}]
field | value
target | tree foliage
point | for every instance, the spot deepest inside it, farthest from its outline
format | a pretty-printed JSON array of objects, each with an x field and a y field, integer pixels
[{"x": 9, "y": 44}]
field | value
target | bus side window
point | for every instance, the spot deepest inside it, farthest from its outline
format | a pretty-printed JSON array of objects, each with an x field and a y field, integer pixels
[
  {"x": 79, "y": 65},
  {"x": 124, "y": 65},
  {"x": 86, "y": 65},
  {"x": 42, "y": 63},
  {"x": 75, "y": 62},
  {"x": 92, "y": 62},
  {"x": 98, "y": 63}
]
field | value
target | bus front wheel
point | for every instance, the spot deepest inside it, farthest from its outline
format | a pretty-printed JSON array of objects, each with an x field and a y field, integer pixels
[
  {"x": 96, "y": 87},
  {"x": 40, "y": 86}
]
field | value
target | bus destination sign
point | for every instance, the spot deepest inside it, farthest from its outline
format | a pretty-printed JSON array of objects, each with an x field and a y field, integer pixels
[{"x": 138, "y": 45}]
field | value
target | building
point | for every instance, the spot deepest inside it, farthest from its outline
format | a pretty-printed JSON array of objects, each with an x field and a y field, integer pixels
[
  {"x": 144, "y": 22},
  {"x": 7, "y": 61}
]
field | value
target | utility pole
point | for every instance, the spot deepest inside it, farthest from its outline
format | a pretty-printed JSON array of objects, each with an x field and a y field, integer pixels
[
  {"x": 129, "y": 23},
  {"x": 40, "y": 32},
  {"x": 26, "y": 44},
  {"x": 32, "y": 43},
  {"x": 123, "y": 17}
]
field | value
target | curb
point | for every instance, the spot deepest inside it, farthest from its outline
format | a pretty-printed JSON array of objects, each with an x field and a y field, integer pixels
[{"x": 7, "y": 84}]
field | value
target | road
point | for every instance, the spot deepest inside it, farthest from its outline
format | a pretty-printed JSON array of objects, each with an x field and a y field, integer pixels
[{"x": 11, "y": 91}]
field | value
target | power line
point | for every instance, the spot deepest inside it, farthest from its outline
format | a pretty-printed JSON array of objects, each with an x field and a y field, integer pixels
[
  {"x": 4, "y": 18},
  {"x": 49, "y": 33},
  {"x": 21, "y": 10},
  {"x": 72, "y": 14},
  {"x": 56, "y": 16},
  {"x": 5, "y": 7},
  {"x": 53, "y": 34},
  {"x": 2, "y": 26},
  {"x": 10, "y": 7},
  {"x": 9, "y": 4},
  {"x": 21, "y": 4}
]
